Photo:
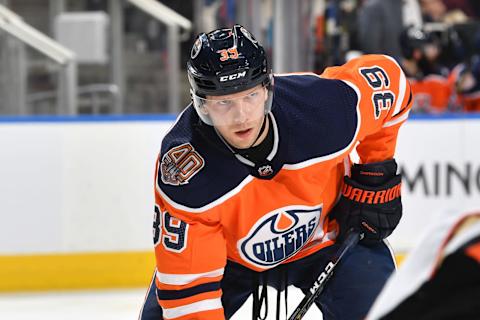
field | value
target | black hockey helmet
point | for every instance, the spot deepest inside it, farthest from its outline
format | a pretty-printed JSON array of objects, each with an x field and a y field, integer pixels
[
  {"x": 227, "y": 61},
  {"x": 412, "y": 38}
]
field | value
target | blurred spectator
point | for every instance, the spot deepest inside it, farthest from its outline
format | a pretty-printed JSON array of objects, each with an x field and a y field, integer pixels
[
  {"x": 433, "y": 10},
  {"x": 466, "y": 79},
  {"x": 437, "y": 11},
  {"x": 431, "y": 88},
  {"x": 468, "y": 86},
  {"x": 470, "y": 7},
  {"x": 380, "y": 23}
]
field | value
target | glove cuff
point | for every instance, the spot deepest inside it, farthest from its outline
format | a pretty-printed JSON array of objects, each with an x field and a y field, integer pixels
[{"x": 375, "y": 173}]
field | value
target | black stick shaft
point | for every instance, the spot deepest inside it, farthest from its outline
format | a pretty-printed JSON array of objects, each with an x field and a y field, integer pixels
[{"x": 316, "y": 289}]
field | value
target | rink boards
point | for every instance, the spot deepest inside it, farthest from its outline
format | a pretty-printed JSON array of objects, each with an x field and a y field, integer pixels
[{"x": 77, "y": 194}]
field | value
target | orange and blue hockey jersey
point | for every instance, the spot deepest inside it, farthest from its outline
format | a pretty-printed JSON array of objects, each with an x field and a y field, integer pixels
[
  {"x": 431, "y": 94},
  {"x": 211, "y": 207},
  {"x": 466, "y": 80}
]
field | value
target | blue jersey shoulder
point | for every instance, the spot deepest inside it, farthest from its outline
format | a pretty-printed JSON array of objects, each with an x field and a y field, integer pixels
[
  {"x": 195, "y": 166},
  {"x": 318, "y": 116}
]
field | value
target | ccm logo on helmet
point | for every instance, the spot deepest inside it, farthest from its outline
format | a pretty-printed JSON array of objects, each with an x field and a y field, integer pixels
[{"x": 233, "y": 76}]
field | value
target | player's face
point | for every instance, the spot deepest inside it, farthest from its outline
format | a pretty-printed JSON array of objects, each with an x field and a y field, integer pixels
[{"x": 238, "y": 117}]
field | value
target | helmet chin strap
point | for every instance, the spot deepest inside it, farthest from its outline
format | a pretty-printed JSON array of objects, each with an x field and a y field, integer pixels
[{"x": 260, "y": 132}]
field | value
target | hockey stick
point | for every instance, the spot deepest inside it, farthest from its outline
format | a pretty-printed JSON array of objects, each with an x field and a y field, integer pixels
[{"x": 316, "y": 289}]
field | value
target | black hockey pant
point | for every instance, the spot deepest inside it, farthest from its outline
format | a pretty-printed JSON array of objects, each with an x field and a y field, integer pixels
[{"x": 348, "y": 295}]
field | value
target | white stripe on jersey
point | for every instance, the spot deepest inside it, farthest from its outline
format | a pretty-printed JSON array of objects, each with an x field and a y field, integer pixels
[
  {"x": 468, "y": 233},
  {"x": 204, "y": 305},
  {"x": 400, "y": 119},
  {"x": 209, "y": 206},
  {"x": 182, "y": 279},
  {"x": 401, "y": 88}
]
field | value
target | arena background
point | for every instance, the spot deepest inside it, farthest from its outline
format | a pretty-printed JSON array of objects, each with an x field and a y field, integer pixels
[{"x": 89, "y": 88}]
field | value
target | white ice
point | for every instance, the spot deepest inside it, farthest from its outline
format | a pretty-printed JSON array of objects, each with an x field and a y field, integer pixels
[{"x": 112, "y": 305}]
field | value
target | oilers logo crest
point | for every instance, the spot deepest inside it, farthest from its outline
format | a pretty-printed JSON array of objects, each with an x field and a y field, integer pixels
[{"x": 279, "y": 235}]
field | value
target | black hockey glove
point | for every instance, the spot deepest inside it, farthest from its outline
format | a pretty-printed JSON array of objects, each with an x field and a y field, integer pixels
[{"x": 370, "y": 201}]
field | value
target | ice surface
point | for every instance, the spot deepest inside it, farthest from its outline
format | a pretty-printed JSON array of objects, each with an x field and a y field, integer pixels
[{"x": 111, "y": 305}]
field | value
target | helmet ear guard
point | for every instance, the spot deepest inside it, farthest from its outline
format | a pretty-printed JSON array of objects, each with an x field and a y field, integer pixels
[{"x": 199, "y": 104}]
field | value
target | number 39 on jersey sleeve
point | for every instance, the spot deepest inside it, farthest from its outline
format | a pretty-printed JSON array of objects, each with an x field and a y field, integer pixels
[
  {"x": 384, "y": 101},
  {"x": 187, "y": 285}
]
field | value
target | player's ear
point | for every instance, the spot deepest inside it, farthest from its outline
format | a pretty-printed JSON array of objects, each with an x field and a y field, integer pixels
[{"x": 204, "y": 110}]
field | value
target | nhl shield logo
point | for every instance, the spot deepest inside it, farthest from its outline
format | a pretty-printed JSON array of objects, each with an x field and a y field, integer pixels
[
  {"x": 279, "y": 235},
  {"x": 265, "y": 170}
]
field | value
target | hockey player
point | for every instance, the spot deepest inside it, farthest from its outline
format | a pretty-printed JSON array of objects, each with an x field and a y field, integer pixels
[
  {"x": 431, "y": 88},
  {"x": 248, "y": 177},
  {"x": 466, "y": 78},
  {"x": 440, "y": 279}
]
